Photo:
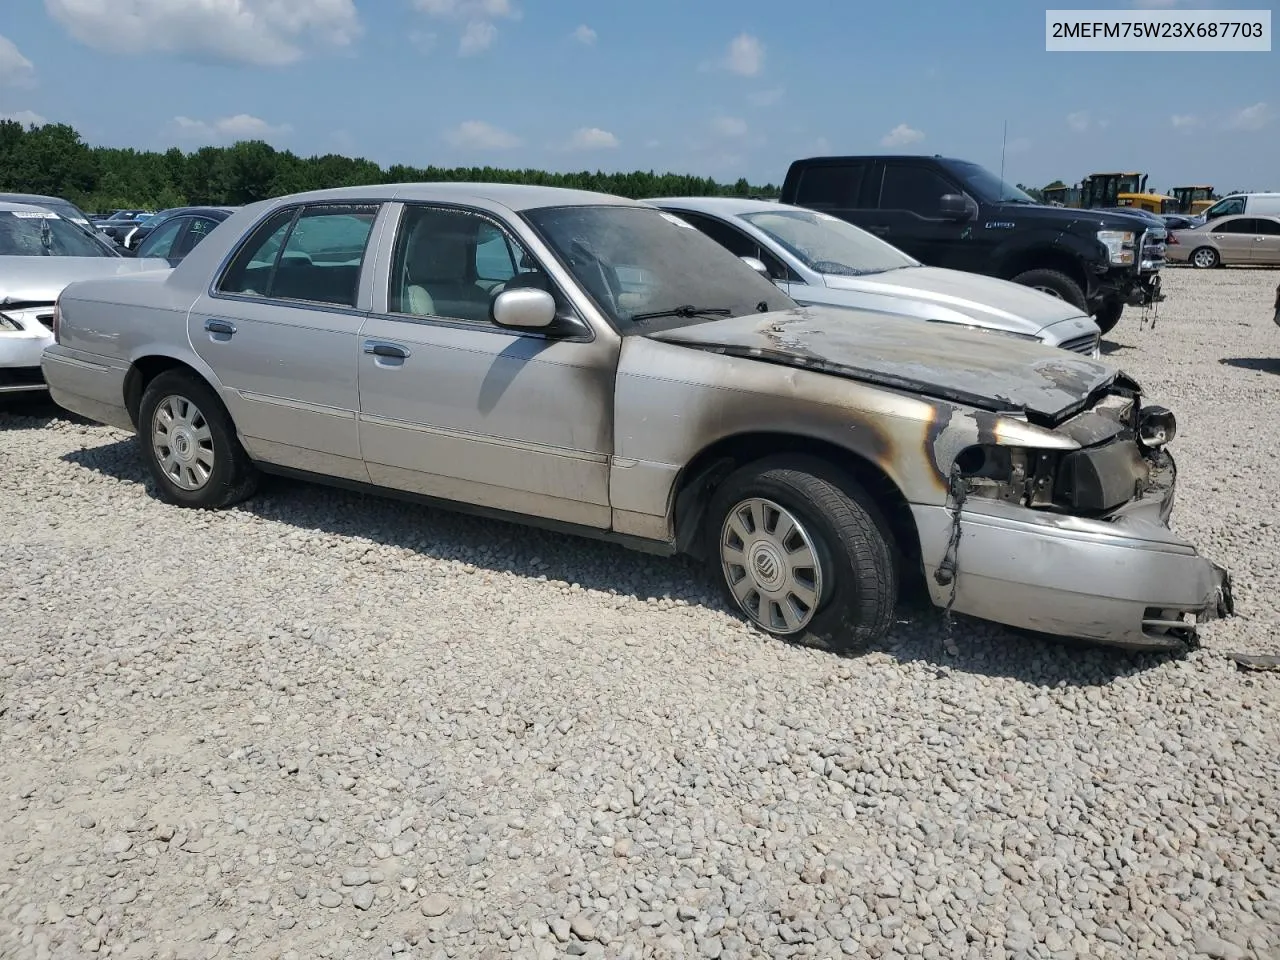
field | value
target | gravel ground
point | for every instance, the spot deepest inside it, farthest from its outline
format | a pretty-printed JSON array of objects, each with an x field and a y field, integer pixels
[{"x": 328, "y": 725}]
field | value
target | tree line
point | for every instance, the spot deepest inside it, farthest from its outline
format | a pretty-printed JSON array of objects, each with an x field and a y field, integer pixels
[{"x": 54, "y": 160}]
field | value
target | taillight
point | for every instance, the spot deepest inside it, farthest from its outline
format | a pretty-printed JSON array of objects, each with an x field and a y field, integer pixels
[
  {"x": 1173, "y": 239},
  {"x": 57, "y": 319}
]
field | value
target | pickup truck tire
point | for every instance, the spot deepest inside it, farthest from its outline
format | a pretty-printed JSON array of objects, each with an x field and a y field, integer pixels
[
  {"x": 831, "y": 581},
  {"x": 1054, "y": 283},
  {"x": 190, "y": 444},
  {"x": 1108, "y": 314}
]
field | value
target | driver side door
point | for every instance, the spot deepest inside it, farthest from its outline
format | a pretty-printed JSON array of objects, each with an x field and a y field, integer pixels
[{"x": 455, "y": 407}]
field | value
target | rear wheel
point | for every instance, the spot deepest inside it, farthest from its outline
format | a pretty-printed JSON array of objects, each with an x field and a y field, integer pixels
[
  {"x": 804, "y": 553},
  {"x": 1206, "y": 258},
  {"x": 1108, "y": 314},
  {"x": 1055, "y": 284},
  {"x": 190, "y": 444}
]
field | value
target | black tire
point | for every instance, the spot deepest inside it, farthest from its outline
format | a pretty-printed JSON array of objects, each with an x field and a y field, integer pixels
[
  {"x": 854, "y": 547},
  {"x": 1055, "y": 284},
  {"x": 1108, "y": 314},
  {"x": 1211, "y": 261},
  {"x": 231, "y": 478}
]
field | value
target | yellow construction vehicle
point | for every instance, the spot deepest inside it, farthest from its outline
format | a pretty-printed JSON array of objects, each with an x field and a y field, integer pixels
[
  {"x": 1123, "y": 190},
  {"x": 1194, "y": 200},
  {"x": 1061, "y": 195}
]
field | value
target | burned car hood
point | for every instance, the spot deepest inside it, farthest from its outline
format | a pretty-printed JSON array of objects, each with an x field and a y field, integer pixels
[
  {"x": 41, "y": 279},
  {"x": 985, "y": 370}
]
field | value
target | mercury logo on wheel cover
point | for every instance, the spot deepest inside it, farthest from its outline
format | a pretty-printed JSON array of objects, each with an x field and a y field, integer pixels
[{"x": 767, "y": 566}]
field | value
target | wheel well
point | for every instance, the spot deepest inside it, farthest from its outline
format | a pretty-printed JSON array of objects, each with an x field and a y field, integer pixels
[
  {"x": 700, "y": 477},
  {"x": 1042, "y": 259},
  {"x": 143, "y": 371}
]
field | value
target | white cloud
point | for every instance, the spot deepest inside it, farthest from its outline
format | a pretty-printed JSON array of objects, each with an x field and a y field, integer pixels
[
  {"x": 478, "y": 135},
  {"x": 25, "y": 117},
  {"x": 592, "y": 138},
  {"x": 15, "y": 69},
  {"x": 765, "y": 98},
  {"x": 242, "y": 126},
  {"x": 1252, "y": 118},
  {"x": 729, "y": 127},
  {"x": 1078, "y": 121},
  {"x": 478, "y": 16},
  {"x": 477, "y": 37},
  {"x": 585, "y": 35},
  {"x": 263, "y": 32},
  {"x": 745, "y": 55},
  {"x": 901, "y": 136},
  {"x": 1182, "y": 121}
]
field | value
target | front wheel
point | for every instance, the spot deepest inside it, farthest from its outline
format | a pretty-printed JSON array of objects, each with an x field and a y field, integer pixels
[
  {"x": 804, "y": 553},
  {"x": 1108, "y": 314},
  {"x": 190, "y": 444},
  {"x": 1055, "y": 284}
]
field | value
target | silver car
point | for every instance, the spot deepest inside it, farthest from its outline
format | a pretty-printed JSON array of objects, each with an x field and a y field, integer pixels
[
  {"x": 597, "y": 365},
  {"x": 40, "y": 253},
  {"x": 821, "y": 259}
]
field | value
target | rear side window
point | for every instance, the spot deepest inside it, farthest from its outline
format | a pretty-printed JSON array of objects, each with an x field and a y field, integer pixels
[
  {"x": 1270, "y": 227},
  {"x": 831, "y": 185},
  {"x": 913, "y": 188},
  {"x": 162, "y": 239},
  {"x": 313, "y": 254}
]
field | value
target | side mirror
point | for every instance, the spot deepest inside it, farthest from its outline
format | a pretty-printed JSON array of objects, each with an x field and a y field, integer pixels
[
  {"x": 525, "y": 308},
  {"x": 758, "y": 266},
  {"x": 954, "y": 206}
]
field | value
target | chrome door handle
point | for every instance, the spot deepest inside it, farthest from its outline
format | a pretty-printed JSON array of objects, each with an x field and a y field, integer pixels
[
  {"x": 380, "y": 348},
  {"x": 223, "y": 327}
]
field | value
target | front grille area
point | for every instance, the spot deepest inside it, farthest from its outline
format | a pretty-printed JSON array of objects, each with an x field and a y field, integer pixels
[{"x": 1086, "y": 345}]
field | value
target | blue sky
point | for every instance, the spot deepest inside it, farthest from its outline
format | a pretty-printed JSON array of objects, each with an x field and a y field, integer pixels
[{"x": 724, "y": 88}]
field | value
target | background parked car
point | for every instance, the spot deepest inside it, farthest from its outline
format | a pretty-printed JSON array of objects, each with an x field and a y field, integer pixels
[
  {"x": 1266, "y": 204},
  {"x": 119, "y": 223},
  {"x": 818, "y": 258},
  {"x": 63, "y": 208},
  {"x": 953, "y": 213},
  {"x": 40, "y": 253},
  {"x": 1228, "y": 241},
  {"x": 172, "y": 234}
]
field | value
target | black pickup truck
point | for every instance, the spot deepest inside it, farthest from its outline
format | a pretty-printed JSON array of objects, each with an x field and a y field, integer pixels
[{"x": 957, "y": 214}]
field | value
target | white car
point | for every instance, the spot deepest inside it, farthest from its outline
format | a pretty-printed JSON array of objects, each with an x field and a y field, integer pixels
[
  {"x": 823, "y": 260},
  {"x": 40, "y": 253}
]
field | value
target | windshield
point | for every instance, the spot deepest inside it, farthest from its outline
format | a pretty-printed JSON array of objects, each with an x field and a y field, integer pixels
[
  {"x": 828, "y": 244},
  {"x": 637, "y": 261},
  {"x": 987, "y": 185},
  {"x": 44, "y": 234}
]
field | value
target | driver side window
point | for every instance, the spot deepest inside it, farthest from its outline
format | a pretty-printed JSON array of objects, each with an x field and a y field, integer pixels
[{"x": 450, "y": 263}]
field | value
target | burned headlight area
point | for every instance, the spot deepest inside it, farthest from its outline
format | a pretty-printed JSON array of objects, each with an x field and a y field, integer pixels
[{"x": 1088, "y": 482}]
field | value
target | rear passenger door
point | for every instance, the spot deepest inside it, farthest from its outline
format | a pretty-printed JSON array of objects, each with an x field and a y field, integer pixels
[
  {"x": 280, "y": 328},
  {"x": 1266, "y": 242}
]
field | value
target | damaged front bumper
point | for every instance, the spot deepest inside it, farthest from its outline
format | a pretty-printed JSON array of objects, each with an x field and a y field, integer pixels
[{"x": 1125, "y": 580}]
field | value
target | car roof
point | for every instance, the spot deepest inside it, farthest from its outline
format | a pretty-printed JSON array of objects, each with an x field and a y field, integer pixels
[
  {"x": 12, "y": 206},
  {"x": 513, "y": 196},
  {"x": 725, "y": 206},
  {"x": 13, "y": 197}
]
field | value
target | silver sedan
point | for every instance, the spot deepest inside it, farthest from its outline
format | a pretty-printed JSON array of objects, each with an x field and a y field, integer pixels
[{"x": 597, "y": 365}]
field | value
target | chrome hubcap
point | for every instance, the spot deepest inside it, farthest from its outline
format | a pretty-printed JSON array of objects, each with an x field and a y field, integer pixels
[
  {"x": 182, "y": 442},
  {"x": 1204, "y": 258},
  {"x": 771, "y": 565}
]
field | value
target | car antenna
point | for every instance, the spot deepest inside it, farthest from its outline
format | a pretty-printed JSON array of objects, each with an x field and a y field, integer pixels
[{"x": 1003, "y": 141}]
